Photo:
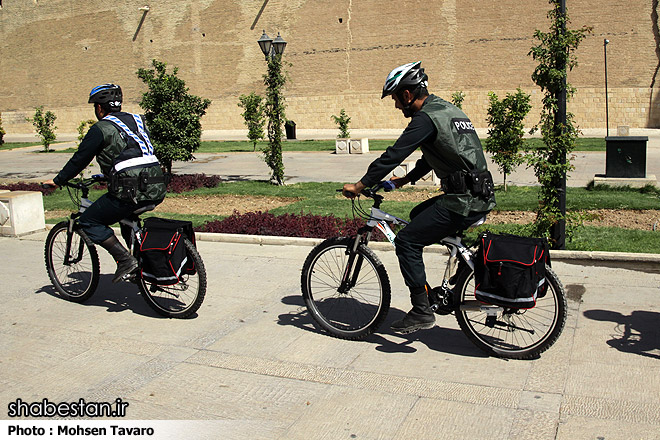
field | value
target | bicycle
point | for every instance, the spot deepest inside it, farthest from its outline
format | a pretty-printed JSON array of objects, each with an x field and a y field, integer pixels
[
  {"x": 347, "y": 292},
  {"x": 73, "y": 265}
]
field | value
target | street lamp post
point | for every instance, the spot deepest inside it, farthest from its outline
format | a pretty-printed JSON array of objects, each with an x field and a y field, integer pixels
[
  {"x": 274, "y": 81},
  {"x": 607, "y": 109},
  {"x": 558, "y": 229}
]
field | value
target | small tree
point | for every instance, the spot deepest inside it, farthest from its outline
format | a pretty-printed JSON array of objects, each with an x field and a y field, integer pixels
[
  {"x": 253, "y": 116},
  {"x": 342, "y": 122},
  {"x": 172, "y": 114},
  {"x": 82, "y": 129},
  {"x": 505, "y": 135},
  {"x": 2, "y": 132},
  {"x": 457, "y": 99},
  {"x": 44, "y": 125}
]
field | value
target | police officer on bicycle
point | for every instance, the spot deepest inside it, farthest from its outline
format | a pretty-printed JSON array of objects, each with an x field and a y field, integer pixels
[
  {"x": 120, "y": 142},
  {"x": 450, "y": 147}
]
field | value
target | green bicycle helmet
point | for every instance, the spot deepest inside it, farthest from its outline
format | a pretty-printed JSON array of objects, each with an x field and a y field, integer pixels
[
  {"x": 106, "y": 94},
  {"x": 408, "y": 76}
]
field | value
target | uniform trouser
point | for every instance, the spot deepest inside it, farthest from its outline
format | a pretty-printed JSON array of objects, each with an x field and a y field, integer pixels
[
  {"x": 429, "y": 223},
  {"x": 105, "y": 211}
]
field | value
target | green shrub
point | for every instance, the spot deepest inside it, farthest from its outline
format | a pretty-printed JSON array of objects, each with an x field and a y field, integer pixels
[
  {"x": 505, "y": 135},
  {"x": 172, "y": 114},
  {"x": 253, "y": 116},
  {"x": 457, "y": 99},
  {"x": 2, "y": 132},
  {"x": 342, "y": 122},
  {"x": 44, "y": 124}
]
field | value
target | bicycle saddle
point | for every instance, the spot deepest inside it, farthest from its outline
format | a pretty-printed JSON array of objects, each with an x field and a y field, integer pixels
[
  {"x": 479, "y": 222},
  {"x": 144, "y": 209}
]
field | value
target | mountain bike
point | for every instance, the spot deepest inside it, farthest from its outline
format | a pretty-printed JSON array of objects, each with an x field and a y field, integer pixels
[
  {"x": 73, "y": 265},
  {"x": 347, "y": 292}
]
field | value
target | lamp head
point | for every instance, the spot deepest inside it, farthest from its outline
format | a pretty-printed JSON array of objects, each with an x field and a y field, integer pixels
[
  {"x": 278, "y": 45},
  {"x": 265, "y": 43}
]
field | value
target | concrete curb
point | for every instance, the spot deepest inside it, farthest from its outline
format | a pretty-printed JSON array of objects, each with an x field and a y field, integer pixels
[{"x": 594, "y": 256}]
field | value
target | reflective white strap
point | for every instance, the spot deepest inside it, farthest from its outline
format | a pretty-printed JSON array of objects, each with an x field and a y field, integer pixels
[
  {"x": 145, "y": 145},
  {"x": 144, "y": 160},
  {"x": 501, "y": 298},
  {"x": 143, "y": 132}
]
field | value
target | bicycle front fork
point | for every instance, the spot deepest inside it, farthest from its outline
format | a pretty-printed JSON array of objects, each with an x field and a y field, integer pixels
[
  {"x": 354, "y": 262},
  {"x": 68, "y": 258}
]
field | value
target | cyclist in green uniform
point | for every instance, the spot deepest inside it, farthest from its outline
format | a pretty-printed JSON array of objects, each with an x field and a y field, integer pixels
[
  {"x": 450, "y": 147},
  {"x": 120, "y": 142}
]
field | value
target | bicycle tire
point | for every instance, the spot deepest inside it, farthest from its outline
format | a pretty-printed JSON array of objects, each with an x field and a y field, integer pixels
[
  {"x": 513, "y": 334},
  {"x": 180, "y": 300},
  {"x": 77, "y": 281},
  {"x": 352, "y": 315}
]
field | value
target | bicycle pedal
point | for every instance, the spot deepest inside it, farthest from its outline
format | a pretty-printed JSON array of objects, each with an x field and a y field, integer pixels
[{"x": 441, "y": 309}]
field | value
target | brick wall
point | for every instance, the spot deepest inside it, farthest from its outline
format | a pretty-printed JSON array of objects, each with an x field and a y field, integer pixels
[{"x": 339, "y": 52}]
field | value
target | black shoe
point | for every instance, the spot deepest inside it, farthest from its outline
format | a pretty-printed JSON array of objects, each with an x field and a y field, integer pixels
[
  {"x": 413, "y": 322},
  {"x": 125, "y": 268},
  {"x": 126, "y": 263},
  {"x": 419, "y": 317}
]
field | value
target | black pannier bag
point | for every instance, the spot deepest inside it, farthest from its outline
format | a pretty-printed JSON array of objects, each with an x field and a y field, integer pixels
[
  {"x": 162, "y": 251},
  {"x": 509, "y": 270}
]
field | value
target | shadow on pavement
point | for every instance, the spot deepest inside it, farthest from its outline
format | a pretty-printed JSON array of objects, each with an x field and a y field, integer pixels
[
  {"x": 438, "y": 338},
  {"x": 114, "y": 297},
  {"x": 637, "y": 333}
]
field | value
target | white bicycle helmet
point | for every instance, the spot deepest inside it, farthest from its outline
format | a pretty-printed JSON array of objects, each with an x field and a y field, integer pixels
[{"x": 409, "y": 75}]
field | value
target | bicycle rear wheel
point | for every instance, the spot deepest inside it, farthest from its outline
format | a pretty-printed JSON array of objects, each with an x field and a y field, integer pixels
[
  {"x": 182, "y": 299},
  {"x": 512, "y": 333},
  {"x": 78, "y": 278},
  {"x": 356, "y": 312}
]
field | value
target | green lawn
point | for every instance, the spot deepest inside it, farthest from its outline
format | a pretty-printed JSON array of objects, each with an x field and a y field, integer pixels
[
  {"x": 12, "y": 145},
  {"x": 323, "y": 199},
  {"x": 583, "y": 144}
]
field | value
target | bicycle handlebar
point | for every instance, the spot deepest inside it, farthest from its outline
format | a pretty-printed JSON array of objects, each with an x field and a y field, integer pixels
[
  {"x": 80, "y": 184},
  {"x": 371, "y": 193}
]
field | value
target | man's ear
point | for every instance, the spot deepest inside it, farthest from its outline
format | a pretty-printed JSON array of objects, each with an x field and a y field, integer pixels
[{"x": 407, "y": 97}]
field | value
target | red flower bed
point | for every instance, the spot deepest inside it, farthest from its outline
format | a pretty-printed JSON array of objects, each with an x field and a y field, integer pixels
[
  {"x": 189, "y": 182},
  {"x": 27, "y": 186},
  {"x": 287, "y": 225}
]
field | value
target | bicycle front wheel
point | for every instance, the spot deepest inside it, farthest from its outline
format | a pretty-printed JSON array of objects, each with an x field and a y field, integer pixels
[
  {"x": 182, "y": 299},
  {"x": 75, "y": 275},
  {"x": 512, "y": 333},
  {"x": 356, "y": 310}
]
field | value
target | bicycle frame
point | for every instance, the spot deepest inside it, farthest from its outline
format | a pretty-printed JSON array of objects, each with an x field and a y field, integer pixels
[
  {"x": 136, "y": 233},
  {"x": 382, "y": 220},
  {"x": 132, "y": 223}
]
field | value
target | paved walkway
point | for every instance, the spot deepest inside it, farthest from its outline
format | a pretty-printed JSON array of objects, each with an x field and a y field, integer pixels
[
  {"x": 26, "y": 164},
  {"x": 254, "y": 366}
]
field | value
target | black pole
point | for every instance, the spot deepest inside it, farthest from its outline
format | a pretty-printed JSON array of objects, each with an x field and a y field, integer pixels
[
  {"x": 607, "y": 108},
  {"x": 558, "y": 230}
]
